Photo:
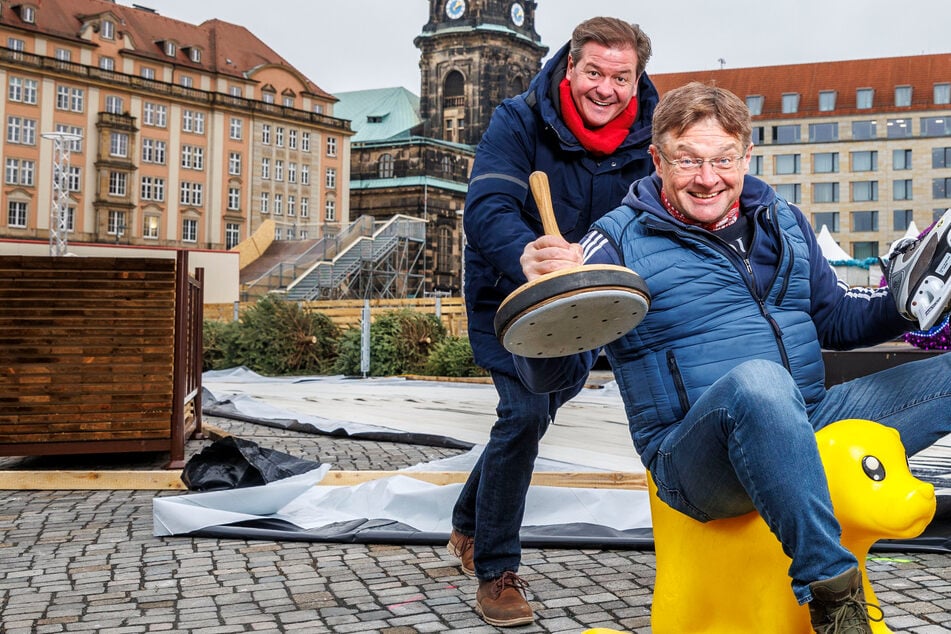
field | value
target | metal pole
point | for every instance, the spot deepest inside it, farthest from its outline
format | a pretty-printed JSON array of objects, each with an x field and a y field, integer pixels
[{"x": 59, "y": 208}]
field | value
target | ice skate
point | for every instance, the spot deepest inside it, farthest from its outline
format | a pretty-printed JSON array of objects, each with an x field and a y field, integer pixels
[{"x": 918, "y": 271}]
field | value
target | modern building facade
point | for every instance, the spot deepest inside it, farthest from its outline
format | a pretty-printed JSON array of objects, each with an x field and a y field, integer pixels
[
  {"x": 862, "y": 146},
  {"x": 180, "y": 135}
]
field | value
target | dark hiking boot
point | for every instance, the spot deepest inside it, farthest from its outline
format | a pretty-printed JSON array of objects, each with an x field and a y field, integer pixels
[
  {"x": 462, "y": 546},
  {"x": 838, "y": 605},
  {"x": 501, "y": 602}
]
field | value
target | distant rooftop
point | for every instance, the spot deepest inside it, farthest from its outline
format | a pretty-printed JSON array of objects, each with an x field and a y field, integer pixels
[{"x": 379, "y": 114}]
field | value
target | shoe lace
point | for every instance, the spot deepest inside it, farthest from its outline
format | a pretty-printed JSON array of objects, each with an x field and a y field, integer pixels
[
  {"x": 853, "y": 615},
  {"x": 510, "y": 580}
]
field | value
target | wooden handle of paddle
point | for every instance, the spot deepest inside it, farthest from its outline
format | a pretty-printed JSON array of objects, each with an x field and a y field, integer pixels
[{"x": 542, "y": 194}]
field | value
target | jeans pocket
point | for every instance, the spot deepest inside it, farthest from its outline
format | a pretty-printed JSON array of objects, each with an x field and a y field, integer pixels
[{"x": 667, "y": 490}]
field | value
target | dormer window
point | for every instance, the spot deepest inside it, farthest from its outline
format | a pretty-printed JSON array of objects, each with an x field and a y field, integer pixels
[
  {"x": 170, "y": 48},
  {"x": 28, "y": 14},
  {"x": 194, "y": 54},
  {"x": 107, "y": 30}
]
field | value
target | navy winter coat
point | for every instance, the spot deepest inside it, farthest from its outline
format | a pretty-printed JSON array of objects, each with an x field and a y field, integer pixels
[{"x": 526, "y": 134}]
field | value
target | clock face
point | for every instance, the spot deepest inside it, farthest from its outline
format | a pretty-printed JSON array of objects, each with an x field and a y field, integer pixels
[
  {"x": 455, "y": 8},
  {"x": 518, "y": 14}
]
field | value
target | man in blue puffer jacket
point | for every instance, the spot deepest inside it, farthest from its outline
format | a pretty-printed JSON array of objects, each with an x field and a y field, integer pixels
[
  {"x": 585, "y": 121},
  {"x": 723, "y": 380}
]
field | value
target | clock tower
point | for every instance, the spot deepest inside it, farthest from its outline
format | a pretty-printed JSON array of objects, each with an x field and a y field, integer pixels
[{"x": 474, "y": 54}]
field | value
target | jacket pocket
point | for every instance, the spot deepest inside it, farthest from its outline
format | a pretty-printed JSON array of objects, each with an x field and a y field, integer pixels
[{"x": 678, "y": 380}]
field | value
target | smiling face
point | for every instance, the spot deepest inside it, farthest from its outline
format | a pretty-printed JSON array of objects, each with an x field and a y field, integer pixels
[
  {"x": 603, "y": 81},
  {"x": 705, "y": 195}
]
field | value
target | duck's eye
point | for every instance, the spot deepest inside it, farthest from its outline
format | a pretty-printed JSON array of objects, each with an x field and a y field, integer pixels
[{"x": 873, "y": 468}]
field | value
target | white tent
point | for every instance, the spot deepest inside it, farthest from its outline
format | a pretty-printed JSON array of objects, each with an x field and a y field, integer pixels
[
  {"x": 851, "y": 274},
  {"x": 830, "y": 248}
]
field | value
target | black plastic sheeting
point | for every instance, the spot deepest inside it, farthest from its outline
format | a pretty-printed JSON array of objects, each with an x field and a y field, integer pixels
[{"x": 234, "y": 463}]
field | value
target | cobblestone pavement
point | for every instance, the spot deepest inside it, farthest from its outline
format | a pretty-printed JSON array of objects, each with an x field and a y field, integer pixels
[{"x": 86, "y": 561}]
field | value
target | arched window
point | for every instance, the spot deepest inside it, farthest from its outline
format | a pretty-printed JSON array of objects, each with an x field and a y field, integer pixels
[
  {"x": 385, "y": 166},
  {"x": 444, "y": 249}
]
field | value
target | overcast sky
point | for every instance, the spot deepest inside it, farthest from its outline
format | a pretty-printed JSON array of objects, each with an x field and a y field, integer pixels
[{"x": 344, "y": 45}]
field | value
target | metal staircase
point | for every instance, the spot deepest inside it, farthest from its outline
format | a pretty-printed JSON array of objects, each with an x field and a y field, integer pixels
[{"x": 386, "y": 264}]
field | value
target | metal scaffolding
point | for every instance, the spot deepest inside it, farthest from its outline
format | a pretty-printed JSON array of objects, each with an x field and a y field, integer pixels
[{"x": 59, "y": 208}]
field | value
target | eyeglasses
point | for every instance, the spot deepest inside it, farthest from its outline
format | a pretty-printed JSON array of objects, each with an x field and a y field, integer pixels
[{"x": 688, "y": 165}]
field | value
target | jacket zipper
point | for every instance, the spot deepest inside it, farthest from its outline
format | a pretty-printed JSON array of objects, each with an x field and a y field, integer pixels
[{"x": 678, "y": 382}]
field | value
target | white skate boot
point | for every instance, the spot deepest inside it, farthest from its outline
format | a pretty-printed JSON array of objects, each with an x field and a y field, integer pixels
[{"x": 918, "y": 271}]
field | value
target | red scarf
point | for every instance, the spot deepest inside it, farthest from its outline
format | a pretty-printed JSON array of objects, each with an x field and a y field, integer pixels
[
  {"x": 731, "y": 215},
  {"x": 601, "y": 141}
]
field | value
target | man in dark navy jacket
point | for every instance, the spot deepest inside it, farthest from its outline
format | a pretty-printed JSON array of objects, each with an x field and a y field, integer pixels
[{"x": 585, "y": 121}]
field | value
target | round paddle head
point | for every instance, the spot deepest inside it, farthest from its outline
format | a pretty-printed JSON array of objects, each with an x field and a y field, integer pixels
[{"x": 571, "y": 311}]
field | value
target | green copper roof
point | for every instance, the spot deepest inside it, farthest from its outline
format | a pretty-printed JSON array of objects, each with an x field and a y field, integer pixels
[{"x": 379, "y": 114}]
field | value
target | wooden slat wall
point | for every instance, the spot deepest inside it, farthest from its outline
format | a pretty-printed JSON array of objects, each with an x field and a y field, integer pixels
[{"x": 86, "y": 350}]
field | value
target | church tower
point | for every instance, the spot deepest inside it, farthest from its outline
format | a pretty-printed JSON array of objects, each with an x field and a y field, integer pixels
[{"x": 474, "y": 54}]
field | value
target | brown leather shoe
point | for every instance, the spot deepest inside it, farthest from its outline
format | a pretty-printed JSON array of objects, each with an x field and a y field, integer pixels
[
  {"x": 461, "y": 546},
  {"x": 501, "y": 602}
]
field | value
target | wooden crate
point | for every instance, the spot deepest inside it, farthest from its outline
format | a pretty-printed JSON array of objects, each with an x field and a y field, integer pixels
[{"x": 88, "y": 354}]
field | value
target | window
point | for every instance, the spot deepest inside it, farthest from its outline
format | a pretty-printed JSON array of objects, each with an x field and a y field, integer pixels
[
  {"x": 267, "y": 96},
  {"x": 152, "y": 188},
  {"x": 941, "y": 188},
  {"x": 756, "y": 165},
  {"x": 193, "y": 121},
  {"x": 232, "y": 235},
  {"x": 942, "y": 94},
  {"x": 63, "y": 55},
  {"x": 278, "y": 204},
  {"x": 73, "y": 179},
  {"x": 304, "y": 207},
  {"x": 865, "y": 250},
  {"x": 27, "y": 14},
  {"x": 901, "y": 219},
  {"x": 292, "y": 172},
  {"x": 107, "y": 29},
  {"x": 864, "y": 221},
  {"x": 150, "y": 227},
  {"x": 941, "y": 157},
  {"x": 154, "y": 114},
  {"x": 113, "y": 104},
  {"x": 170, "y": 48},
  {"x": 787, "y": 133},
  {"x": 819, "y": 132},
  {"x": 22, "y": 90},
  {"x": 758, "y": 134},
  {"x": 305, "y": 141},
  {"x": 186, "y": 81},
  {"x": 305, "y": 174},
  {"x": 189, "y": 230},
  {"x": 235, "y": 129},
  {"x": 864, "y": 98},
  {"x": 898, "y": 128},
  {"x": 936, "y": 126},
  {"x": 331, "y": 146},
  {"x": 330, "y": 210},
  {"x": 16, "y": 214},
  {"x": 864, "y": 130},
  {"x": 17, "y": 45},
  {"x": 288, "y": 102},
  {"x": 864, "y": 191},
  {"x": 191, "y": 194},
  {"x": 278, "y": 170},
  {"x": 828, "y": 218},
  {"x": 76, "y": 145},
  {"x": 266, "y": 134},
  {"x": 902, "y": 96},
  {"x": 147, "y": 72},
  {"x": 265, "y": 202},
  {"x": 116, "y": 223},
  {"x": 20, "y": 172},
  {"x": 866, "y": 161},
  {"x": 292, "y": 139},
  {"x": 792, "y": 192},
  {"x": 755, "y": 104},
  {"x": 827, "y": 100},
  {"x": 234, "y": 91},
  {"x": 825, "y": 192},
  {"x": 330, "y": 180},
  {"x": 291, "y": 205},
  {"x": 825, "y": 163},
  {"x": 901, "y": 189},
  {"x": 901, "y": 160},
  {"x": 790, "y": 102},
  {"x": 787, "y": 163},
  {"x": 234, "y": 164},
  {"x": 118, "y": 182},
  {"x": 119, "y": 144},
  {"x": 21, "y": 131},
  {"x": 279, "y": 136},
  {"x": 107, "y": 63},
  {"x": 234, "y": 198},
  {"x": 194, "y": 54},
  {"x": 193, "y": 157},
  {"x": 385, "y": 167},
  {"x": 153, "y": 151},
  {"x": 265, "y": 169}
]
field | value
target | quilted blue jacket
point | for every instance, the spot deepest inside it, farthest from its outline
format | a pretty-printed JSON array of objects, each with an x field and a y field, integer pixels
[
  {"x": 712, "y": 309},
  {"x": 526, "y": 133}
]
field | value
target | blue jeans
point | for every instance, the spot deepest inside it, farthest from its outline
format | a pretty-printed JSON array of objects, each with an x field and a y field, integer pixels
[
  {"x": 492, "y": 502},
  {"x": 749, "y": 443}
]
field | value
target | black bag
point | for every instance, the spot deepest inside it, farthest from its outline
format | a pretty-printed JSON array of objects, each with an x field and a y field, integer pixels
[{"x": 231, "y": 463}]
